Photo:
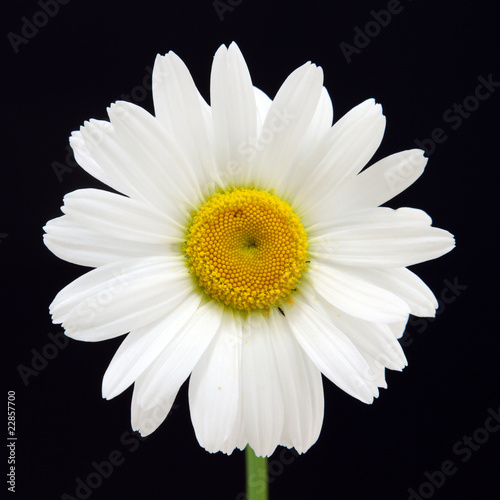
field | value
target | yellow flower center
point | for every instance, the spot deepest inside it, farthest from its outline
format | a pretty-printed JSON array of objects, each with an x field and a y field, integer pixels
[{"x": 247, "y": 248}]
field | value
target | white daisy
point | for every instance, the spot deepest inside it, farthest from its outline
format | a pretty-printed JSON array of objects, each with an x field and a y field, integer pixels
[{"x": 246, "y": 249}]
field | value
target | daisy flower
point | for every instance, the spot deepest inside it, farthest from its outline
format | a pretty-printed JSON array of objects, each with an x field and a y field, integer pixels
[{"x": 243, "y": 246}]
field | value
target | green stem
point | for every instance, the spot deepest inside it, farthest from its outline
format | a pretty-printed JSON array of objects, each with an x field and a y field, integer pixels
[{"x": 257, "y": 482}]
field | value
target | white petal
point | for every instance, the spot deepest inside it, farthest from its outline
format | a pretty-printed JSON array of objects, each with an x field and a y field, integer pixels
[
  {"x": 75, "y": 243},
  {"x": 286, "y": 123},
  {"x": 409, "y": 287},
  {"x": 147, "y": 421},
  {"x": 142, "y": 175},
  {"x": 327, "y": 227},
  {"x": 214, "y": 390},
  {"x": 340, "y": 155},
  {"x": 143, "y": 346},
  {"x": 263, "y": 103},
  {"x": 182, "y": 352},
  {"x": 374, "y": 339},
  {"x": 349, "y": 289},
  {"x": 380, "y": 182},
  {"x": 398, "y": 328},
  {"x": 301, "y": 386},
  {"x": 121, "y": 217},
  {"x": 152, "y": 160},
  {"x": 398, "y": 239},
  {"x": 321, "y": 122},
  {"x": 262, "y": 398},
  {"x": 86, "y": 160},
  {"x": 378, "y": 370},
  {"x": 185, "y": 115},
  {"x": 323, "y": 118},
  {"x": 114, "y": 299},
  {"x": 331, "y": 351},
  {"x": 389, "y": 247},
  {"x": 376, "y": 342},
  {"x": 98, "y": 140},
  {"x": 234, "y": 110},
  {"x": 320, "y": 125}
]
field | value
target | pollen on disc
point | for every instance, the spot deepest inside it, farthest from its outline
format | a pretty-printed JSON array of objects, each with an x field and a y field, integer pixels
[{"x": 247, "y": 248}]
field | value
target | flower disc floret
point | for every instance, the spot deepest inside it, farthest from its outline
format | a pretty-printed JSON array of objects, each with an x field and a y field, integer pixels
[{"x": 247, "y": 248}]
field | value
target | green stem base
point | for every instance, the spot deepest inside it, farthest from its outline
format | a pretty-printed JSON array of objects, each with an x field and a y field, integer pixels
[{"x": 257, "y": 480}]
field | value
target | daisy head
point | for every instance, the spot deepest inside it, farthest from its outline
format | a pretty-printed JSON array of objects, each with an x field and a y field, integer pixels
[{"x": 243, "y": 246}]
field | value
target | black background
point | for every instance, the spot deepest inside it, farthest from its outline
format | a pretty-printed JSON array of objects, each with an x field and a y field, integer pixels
[{"x": 427, "y": 59}]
